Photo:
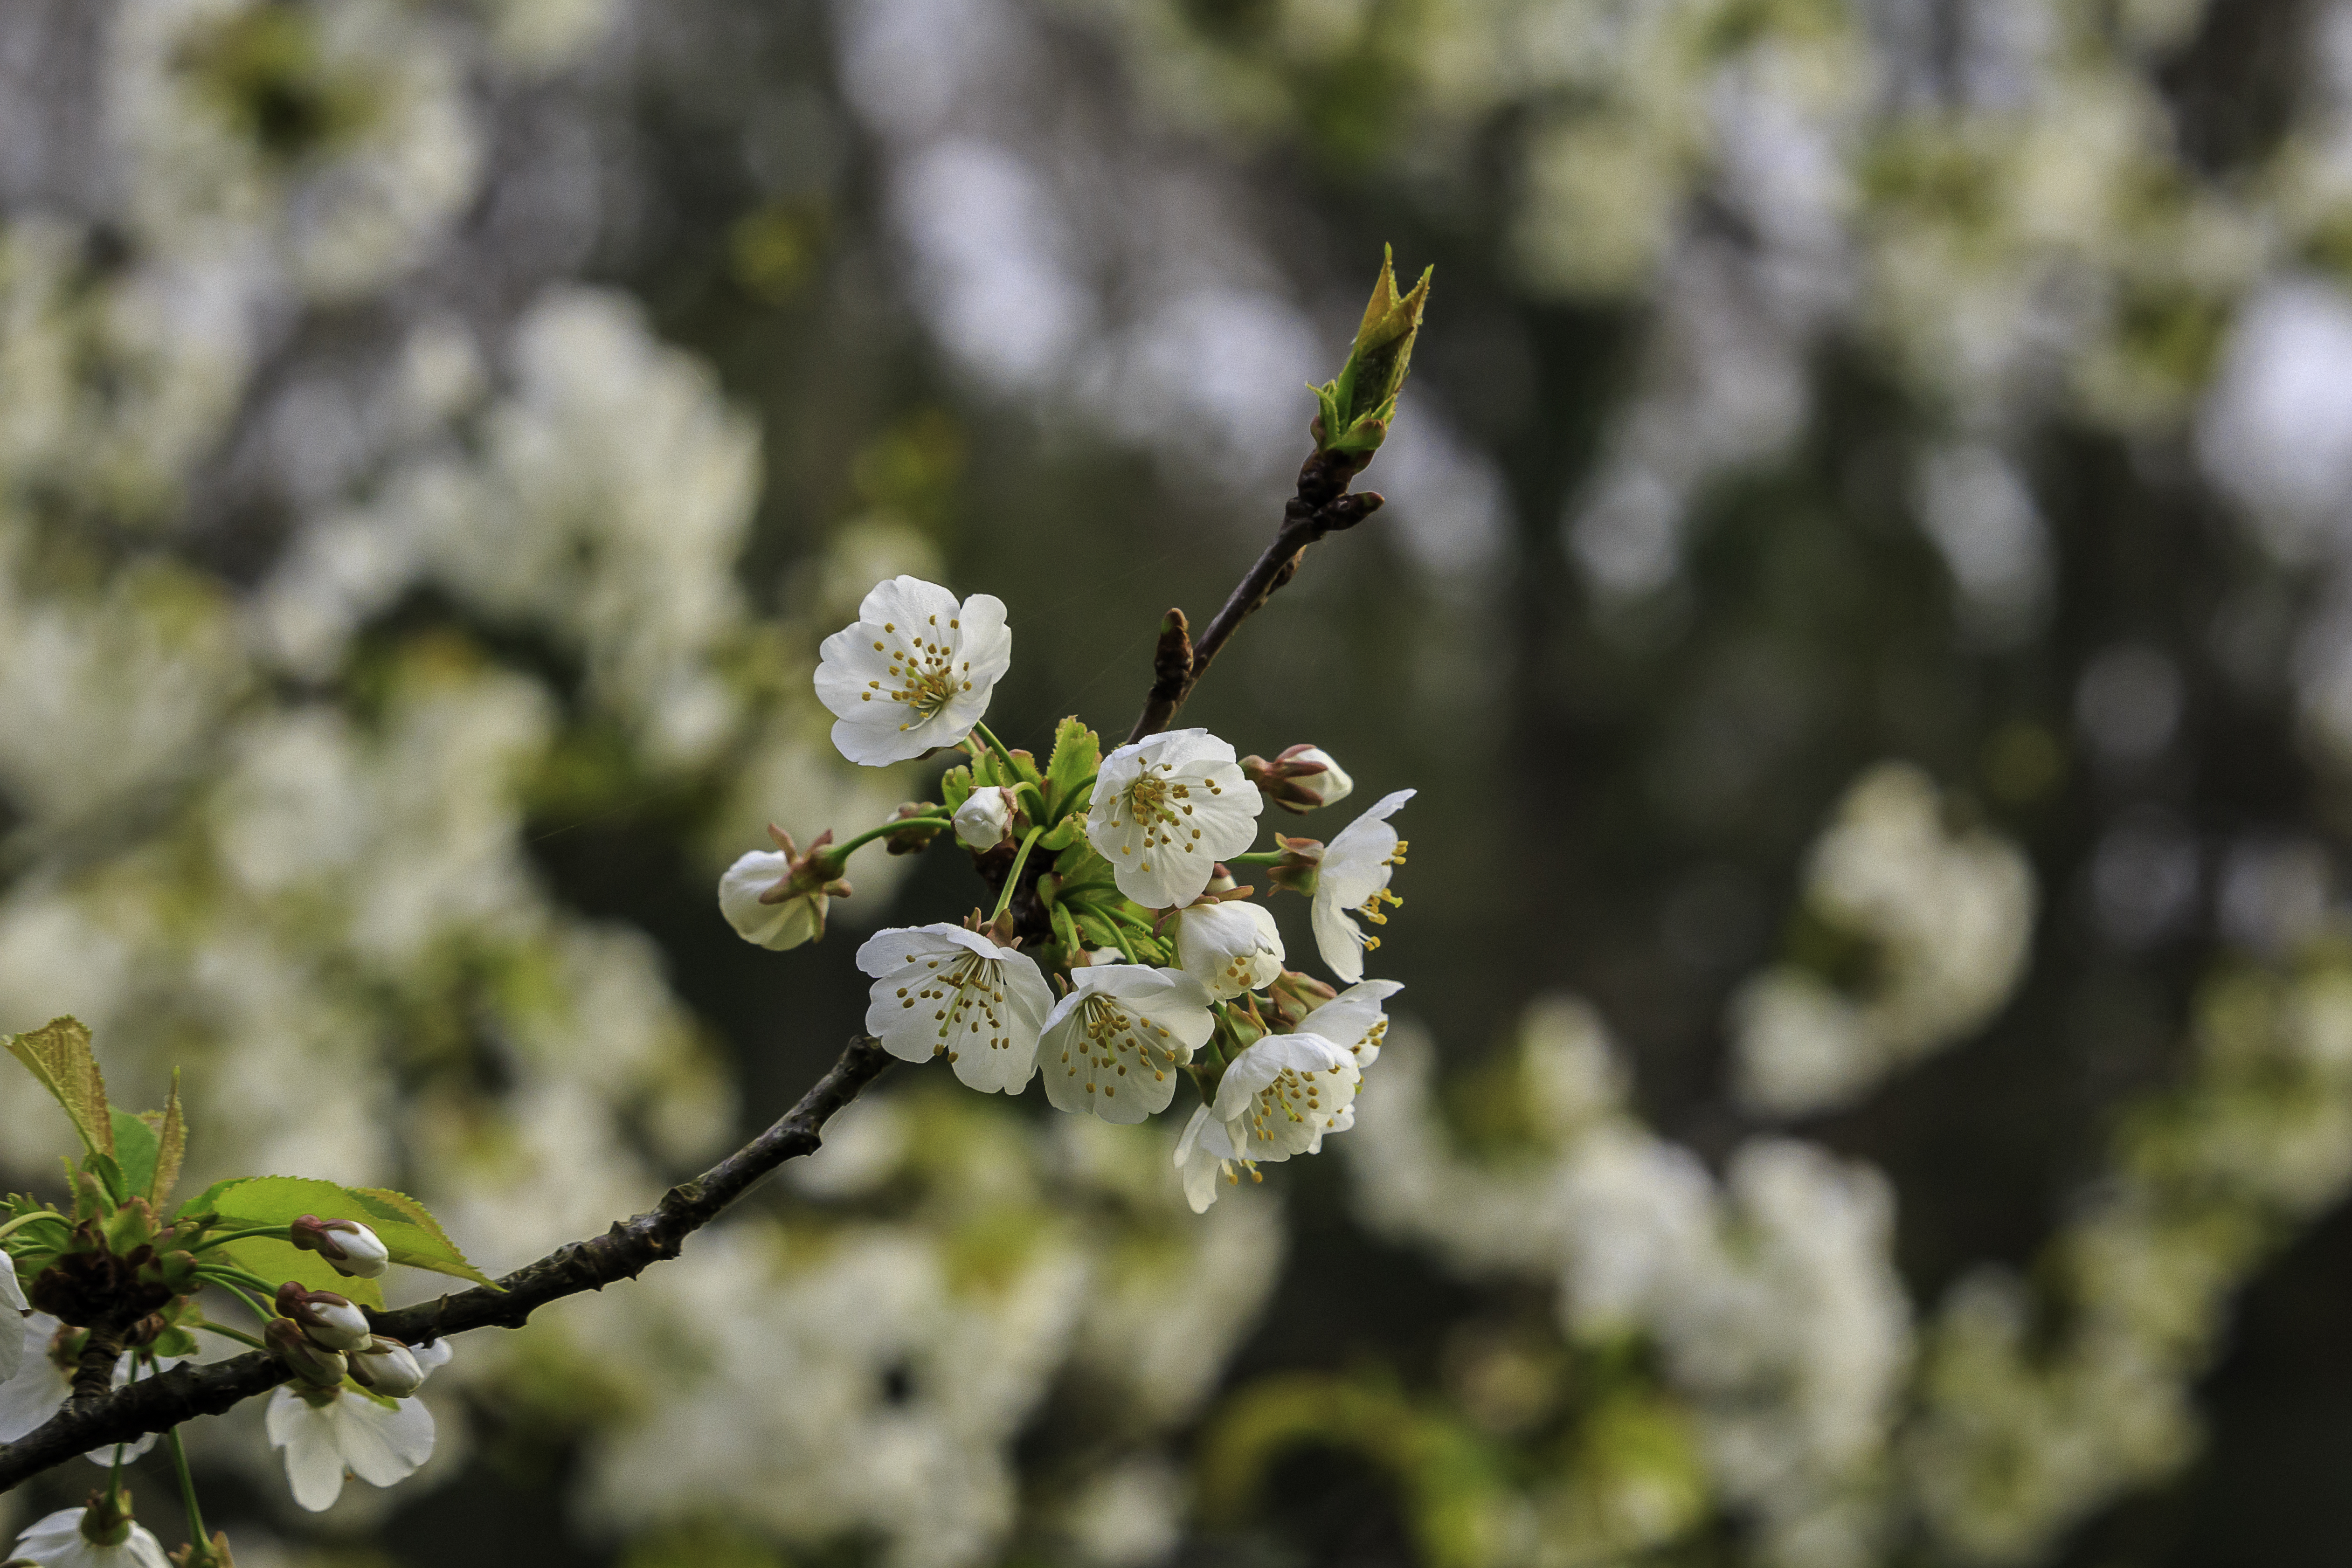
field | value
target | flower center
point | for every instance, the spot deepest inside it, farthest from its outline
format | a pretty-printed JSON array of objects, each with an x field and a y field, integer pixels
[
  {"x": 923, "y": 675},
  {"x": 968, "y": 994},
  {"x": 1293, "y": 1097}
]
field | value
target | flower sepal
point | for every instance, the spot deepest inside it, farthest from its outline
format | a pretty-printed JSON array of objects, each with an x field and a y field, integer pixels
[
  {"x": 213, "y": 1553},
  {"x": 778, "y": 898},
  {"x": 1300, "y": 869}
]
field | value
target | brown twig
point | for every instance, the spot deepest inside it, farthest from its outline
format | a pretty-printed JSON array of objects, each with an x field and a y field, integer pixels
[
  {"x": 158, "y": 1404},
  {"x": 1323, "y": 505}
]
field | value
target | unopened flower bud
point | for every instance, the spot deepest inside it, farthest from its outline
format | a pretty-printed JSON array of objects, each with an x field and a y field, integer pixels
[
  {"x": 1300, "y": 867},
  {"x": 915, "y": 839},
  {"x": 312, "y": 1363},
  {"x": 350, "y": 1246},
  {"x": 1300, "y": 779},
  {"x": 387, "y": 1367},
  {"x": 1221, "y": 882},
  {"x": 983, "y": 820},
  {"x": 778, "y": 898},
  {"x": 1295, "y": 995},
  {"x": 329, "y": 1318}
]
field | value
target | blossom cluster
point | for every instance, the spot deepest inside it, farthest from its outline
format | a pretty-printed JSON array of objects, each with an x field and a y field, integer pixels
[{"x": 1113, "y": 877}]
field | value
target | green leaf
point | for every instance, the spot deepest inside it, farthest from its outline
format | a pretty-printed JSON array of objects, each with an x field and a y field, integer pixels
[
  {"x": 955, "y": 788},
  {"x": 1078, "y": 757},
  {"x": 135, "y": 1148},
  {"x": 412, "y": 1235},
  {"x": 205, "y": 1201},
  {"x": 107, "y": 1171},
  {"x": 58, "y": 1053},
  {"x": 171, "y": 1147},
  {"x": 421, "y": 1242}
]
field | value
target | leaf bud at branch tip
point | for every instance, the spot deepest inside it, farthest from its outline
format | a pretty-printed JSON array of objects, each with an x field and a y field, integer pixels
[
  {"x": 1300, "y": 779},
  {"x": 311, "y": 1363},
  {"x": 1357, "y": 408}
]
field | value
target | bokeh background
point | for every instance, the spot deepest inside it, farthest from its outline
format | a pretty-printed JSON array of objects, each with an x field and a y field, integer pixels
[{"x": 1867, "y": 600}]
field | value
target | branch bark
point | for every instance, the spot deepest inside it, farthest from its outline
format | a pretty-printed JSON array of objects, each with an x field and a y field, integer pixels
[
  {"x": 158, "y": 1404},
  {"x": 1323, "y": 505}
]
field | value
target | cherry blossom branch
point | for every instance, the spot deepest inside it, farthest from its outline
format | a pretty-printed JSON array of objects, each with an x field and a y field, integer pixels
[
  {"x": 93, "y": 1419},
  {"x": 1323, "y": 505},
  {"x": 159, "y": 1404}
]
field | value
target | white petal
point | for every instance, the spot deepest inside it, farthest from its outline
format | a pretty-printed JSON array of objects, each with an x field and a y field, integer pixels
[
  {"x": 740, "y": 887},
  {"x": 1338, "y": 940},
  {"x": 1230, "y": 947},
  {"x": 382, "y": 1447},
  {"x": 1198, "y": 1162},
  {"x": 12, "y": 1303},
  {"x": 306, "y": 1436},
  {"x": 858, "y": 679},
  {"x": 987, "y": 641},
  {"x": 1262, "y": 1063},
  {"x": 1349, "y": 1018},
  {"x": 1151, "y": 1021},
  {"x": 40, "y": 1389},
  {"x": 1001, "y": 1061},
  {"x": 907, "y": 601}
]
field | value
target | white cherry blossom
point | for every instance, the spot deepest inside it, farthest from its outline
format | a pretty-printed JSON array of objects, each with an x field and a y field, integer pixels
[
  {"x": 1353, "y": 880},
  {"x": 913, "y": 672},
  {"x": 58, "y": 1541},
  {"x": 981, "y": 821},
  {"x": 1230, "y": 947},
  {"x": 13, "y": 1305},
  {"x": 325, "y": 1433},
  {"x": 798, "y": 919},
  {"x": 1113, "y": 1045},
  {"x": 940, "y": 989},
  {"x": 43, "y": 1381},
  {"x": 1203, "y": 1154},
  {"x": 1354, "y": 1020},
  {"x": 1165, "y": 809},
  {"x": 1281, "y": 1096}
]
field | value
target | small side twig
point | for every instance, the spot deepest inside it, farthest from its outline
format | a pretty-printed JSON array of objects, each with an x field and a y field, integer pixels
[
  {"x": 159, "y": 1404},
  {"x": 1323, "y": 505}
]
